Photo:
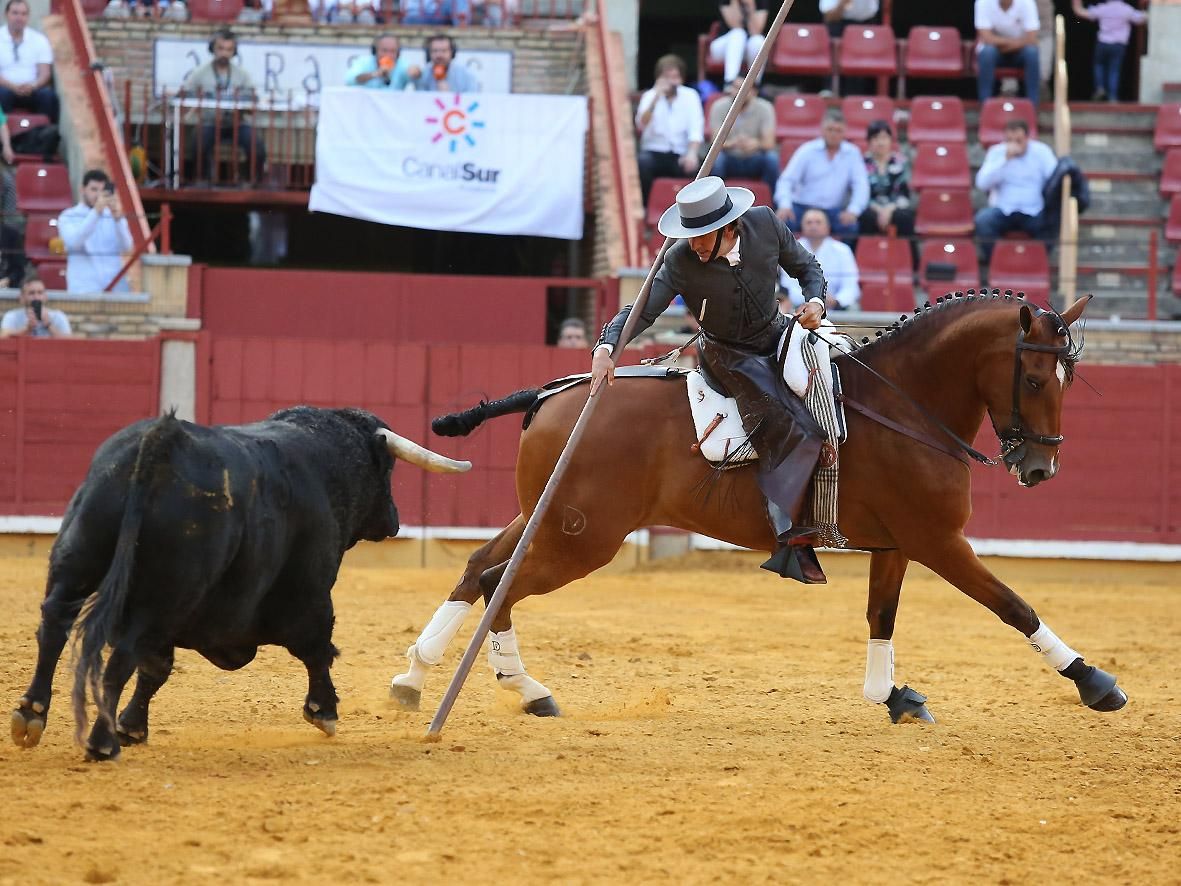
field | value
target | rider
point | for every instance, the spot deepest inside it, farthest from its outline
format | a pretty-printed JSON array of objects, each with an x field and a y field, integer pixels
[{"x": 725, "y": 264}]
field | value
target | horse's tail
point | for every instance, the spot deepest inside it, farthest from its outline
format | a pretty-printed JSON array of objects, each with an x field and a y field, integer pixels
[
  {"x": 460, "y": 424},
  {"x": 103, "y": 611}
]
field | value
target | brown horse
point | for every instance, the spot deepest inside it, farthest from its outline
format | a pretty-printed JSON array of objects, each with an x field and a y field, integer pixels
[{"x": 904, "y": 492}]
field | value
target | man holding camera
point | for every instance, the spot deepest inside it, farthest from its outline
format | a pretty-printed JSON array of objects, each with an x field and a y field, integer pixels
[
  {"x": 95, "y": 235},
  {"x": 671, "y": 124},
  {"x": 34, "y": 317}
]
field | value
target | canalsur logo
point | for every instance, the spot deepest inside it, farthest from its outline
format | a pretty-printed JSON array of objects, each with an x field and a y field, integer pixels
[{"x": 455, "y": 124}]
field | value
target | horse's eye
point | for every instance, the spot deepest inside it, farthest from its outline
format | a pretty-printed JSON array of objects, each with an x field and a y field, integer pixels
[{"x": 1033, "y": 383}]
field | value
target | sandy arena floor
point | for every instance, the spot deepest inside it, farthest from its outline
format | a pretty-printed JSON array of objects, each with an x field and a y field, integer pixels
[{"x": 714, "y": 730}]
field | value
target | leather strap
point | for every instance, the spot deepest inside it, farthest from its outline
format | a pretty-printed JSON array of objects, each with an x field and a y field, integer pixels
[{"x": 902, "y": 429}]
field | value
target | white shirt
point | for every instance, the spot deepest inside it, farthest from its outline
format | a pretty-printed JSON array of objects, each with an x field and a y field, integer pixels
[
  {"x": 858, "y": 10},
  {"x": 94, "y": 248},
  {"x": 1016, "y": 21},
  {"x": 840, "y": 271},
  {"x": 674, "y": 125},
  {"x": 18, "y": 64},
  {"x": 813, "y": 178},
  {"x": 53, "y": 322},
  {"x": 1015, "y": 185}
]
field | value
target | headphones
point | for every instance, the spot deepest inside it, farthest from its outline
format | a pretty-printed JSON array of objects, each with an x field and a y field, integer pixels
[
  {"x": 378, "y": 39},
  {"x": 223, "y": 34},
  {"x": 426, "y": 47}
]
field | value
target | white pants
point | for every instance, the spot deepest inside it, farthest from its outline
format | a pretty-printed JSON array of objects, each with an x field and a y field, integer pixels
[{"x": 732, "y": 48}]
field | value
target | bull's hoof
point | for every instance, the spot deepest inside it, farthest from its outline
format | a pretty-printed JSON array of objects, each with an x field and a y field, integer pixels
[
  {"x": 1098, "y": 691},
  {"x": 28, "y": 722},
  {"x": 131, "y": 734},
  {"x": 407, "y": 697},
  {"x": 324, "y": 722},
  {"x": 104, "y": 754},
  {"x": 543, "y": 707},
  {"x": 907, "y": 706}
]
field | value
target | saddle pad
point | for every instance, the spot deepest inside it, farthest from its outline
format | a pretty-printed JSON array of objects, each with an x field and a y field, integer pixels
[{"x": 727, "y": 438}]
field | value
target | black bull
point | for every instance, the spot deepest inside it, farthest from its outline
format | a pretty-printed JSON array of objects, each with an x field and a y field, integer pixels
[{"x": 215, "y": 539}]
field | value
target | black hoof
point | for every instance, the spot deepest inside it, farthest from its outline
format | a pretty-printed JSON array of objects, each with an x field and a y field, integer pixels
[
  {"x": 543, "y": 707},
  {"x": 104, "y": 754},
  {"x": 907, "y": 706},
  {"x": 1112, "y": 701},
  {"x": 322, "y": 720},
  {"x": 27, "y": 724},
  {"x": 407, "y": 697},
  {"x": 131, "y": 734},
  {"x": 1097, "y": 690}
]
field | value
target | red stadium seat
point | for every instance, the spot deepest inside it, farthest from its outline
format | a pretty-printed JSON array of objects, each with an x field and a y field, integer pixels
[
  {"x": 799, "y": 116},
  {"x": 1020, "y": 265},
  {"x": 20, "y": 121},
  {"x": 663, "y": 195},
  {"x": 53, "y": 272},
  {"x": 959, "y": 253},
  {"x": 945, "y": 213},
  {"x": 760, "y": 189},
  {"x": 43, "y": 187},
  {"x": 886, "y": 275},
  {"x": 996, "y": 112},
  {"x": 802, "y": 49},
  {"x": 1170, "y": 175},
  {"x": 40, "y": 228},
  {"x": 1167, "y": 133},
  {"x": 705, "y": 65},
  {"x": 933, "y": 52},
  {"x": 1173, "y": 225},
  {"x": 936, "y": 119},
  {"x": 215, "y": 10},
  {"x": 861, "y": 110},
  {"x": 940, "y": 166},
  {"x": 868, "y": 51}
]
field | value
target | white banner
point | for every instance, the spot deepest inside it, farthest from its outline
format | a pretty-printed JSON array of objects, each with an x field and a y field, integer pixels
[
  {"x": 309, "y": 68},
  {"x": 491, "y": 164}
]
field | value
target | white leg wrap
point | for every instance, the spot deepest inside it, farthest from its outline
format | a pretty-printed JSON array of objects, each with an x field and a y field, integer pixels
[
  {"x": 879, "y": 670},
  {"x": 1056, "y": 653},
  {"x": 415, "y": 678},
  {"x": 505, "y": 658},
  {"x": 432, "y": 643}
]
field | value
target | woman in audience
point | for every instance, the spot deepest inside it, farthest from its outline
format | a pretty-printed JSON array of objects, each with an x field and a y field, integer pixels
[
  {"x": 890, "y": 203},
  {"x": 742, "y": 25}
]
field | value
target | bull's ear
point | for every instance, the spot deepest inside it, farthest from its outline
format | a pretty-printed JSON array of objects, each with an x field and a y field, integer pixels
[
  {"x": 1026, "y": 318},
  {"x": 1071, "y": 314}
]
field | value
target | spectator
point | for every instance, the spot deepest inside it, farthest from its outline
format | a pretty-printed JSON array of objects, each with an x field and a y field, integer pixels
[
  {"x": 888, "y": 171},
  {"x": 351, "y": 12},
  {"x": 827, "y": 173},
  {"x": 840, "y": 267},
  {"x": 26, "y": 65},
  {"x": 383, "y": 68},
  {"x": 839, "y": 14},
  {"x": 442, "y": 74},
  {"x": 34, "y": 317},
  {"x": 1014, "y": 173},
  {"x": 494, "y": 13},
  {"x": 1007, "y": 34},
  {"x": 436, "y": 12},
  {"x": 12, "y": 254},
  {"x": 1115, "y": 18},
  {"x": 95, "y": 235},
  {"x": 749, "y": 151},
  {"x": 225, "y": 81},
  {"x": 740, "y": 36},
  {"x": 572, "y": 334},
  {"x": 671, "y": 125}
]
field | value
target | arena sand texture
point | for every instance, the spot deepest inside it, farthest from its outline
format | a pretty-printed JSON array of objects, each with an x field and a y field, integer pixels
[{"x": 714, "y": 731}]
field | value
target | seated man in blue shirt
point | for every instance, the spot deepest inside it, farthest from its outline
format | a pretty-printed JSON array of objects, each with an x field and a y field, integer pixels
[
  {"x": 826, "y": 173},
  {"x": 436, "y": 12},
  {"x": 383, "y": 68},
  {"x": 1014, "y": 173},
  {"x": 442, "y": 74}
]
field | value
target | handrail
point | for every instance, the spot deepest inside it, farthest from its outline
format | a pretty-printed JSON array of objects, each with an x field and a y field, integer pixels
[
  {"x": 100, "y": 104},
  {"x": 1068, "y": 225}
]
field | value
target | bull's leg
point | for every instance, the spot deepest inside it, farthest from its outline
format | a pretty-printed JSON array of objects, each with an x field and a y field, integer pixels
[
  {"x": 102, "y": 743},
  {"x": 58, "y": 612},
  {"x": 319, "y": 707},
  {"x": 954, "y": 560},
  {"x": 428, "y": 650},
  {"x": 154, "y": 670},
  {"x": 886, "y": 571}
]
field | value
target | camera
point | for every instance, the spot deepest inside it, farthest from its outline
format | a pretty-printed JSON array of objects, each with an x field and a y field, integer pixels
[
  {"x": 109, "y": 187},
  {"x": 36, "y": 305}
]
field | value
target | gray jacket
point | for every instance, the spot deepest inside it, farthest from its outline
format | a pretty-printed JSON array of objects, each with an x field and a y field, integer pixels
[
  {"x": 236, "y": 85},
  {"x": 734, "y": 305}
]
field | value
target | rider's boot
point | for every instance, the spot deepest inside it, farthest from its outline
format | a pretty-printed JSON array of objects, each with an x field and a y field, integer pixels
[{"x": 794, "y": 557}]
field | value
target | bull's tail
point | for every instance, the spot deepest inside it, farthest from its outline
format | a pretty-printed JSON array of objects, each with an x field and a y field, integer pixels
[
  {"x": 460, "y": 424},
  {"x": 103, "y": 611}
]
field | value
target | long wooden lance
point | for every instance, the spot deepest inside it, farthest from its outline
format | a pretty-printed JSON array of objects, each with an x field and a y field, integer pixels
[{"x": 753, "y": 75}]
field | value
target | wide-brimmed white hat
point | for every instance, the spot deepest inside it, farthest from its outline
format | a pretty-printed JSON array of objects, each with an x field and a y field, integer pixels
[{"x": 704, "y": 206}]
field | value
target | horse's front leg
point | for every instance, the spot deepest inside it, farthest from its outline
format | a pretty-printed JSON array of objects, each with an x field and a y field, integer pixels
[
  {"x": 886, "y": 571},
  {"x": 954, "y": 560}
]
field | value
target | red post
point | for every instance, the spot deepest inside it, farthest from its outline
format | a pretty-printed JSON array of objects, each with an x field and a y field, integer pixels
[
  {"x": 165, "y": 229},
  {"x": 1153, "y": 249}
]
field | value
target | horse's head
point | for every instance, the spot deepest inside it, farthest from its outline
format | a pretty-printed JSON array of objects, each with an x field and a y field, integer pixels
[{"x": 1030, "y": 393}]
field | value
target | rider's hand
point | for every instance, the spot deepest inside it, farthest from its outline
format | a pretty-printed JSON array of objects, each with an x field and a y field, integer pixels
[
  {"x": 809, "y": 315},
  {"x": 602, "y": 366}
]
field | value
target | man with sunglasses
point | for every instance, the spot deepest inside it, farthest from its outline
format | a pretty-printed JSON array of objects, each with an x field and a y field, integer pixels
[{"x": 26, "y": 65}]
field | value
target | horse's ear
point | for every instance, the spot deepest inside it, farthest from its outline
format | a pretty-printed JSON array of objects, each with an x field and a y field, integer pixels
[
  {"x": 1026, "y": 319},
  {"x": 1071, "y": 314}
]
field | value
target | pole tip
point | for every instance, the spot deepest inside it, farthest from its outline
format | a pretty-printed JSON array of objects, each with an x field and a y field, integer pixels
[{"x": 432, "y": 737}]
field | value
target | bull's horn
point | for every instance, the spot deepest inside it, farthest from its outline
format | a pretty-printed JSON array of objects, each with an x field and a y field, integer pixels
[{"x": 407, "y": 450}]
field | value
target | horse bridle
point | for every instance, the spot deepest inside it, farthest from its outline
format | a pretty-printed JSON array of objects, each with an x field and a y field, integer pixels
[{"x": 1016, "y": 436}]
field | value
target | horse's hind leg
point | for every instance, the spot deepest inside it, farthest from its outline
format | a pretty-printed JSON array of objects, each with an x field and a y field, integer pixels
[
  {"x": 955, "y": 561},
  {"x": 428, "y": 650},
  {"x": 886, "y": 571}
]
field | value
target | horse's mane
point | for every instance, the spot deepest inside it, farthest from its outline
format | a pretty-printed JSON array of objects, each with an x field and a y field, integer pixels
[{"x": 951, "y": 308}]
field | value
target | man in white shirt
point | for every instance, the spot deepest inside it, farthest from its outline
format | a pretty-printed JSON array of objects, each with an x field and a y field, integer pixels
[
  {"x": 1014, "y": 173},
  {"x": 95, "y": 235},
  {"x": 836, "y": 258},
  {"x": 34, "y": 317},
  {"x": 26, "y": 65},
  {"x": 826, "y": 173},
  {"x": 839, "y": 14},
  {"x": 1007, "y": 35},
  {"x": 671, "y": 124}
]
